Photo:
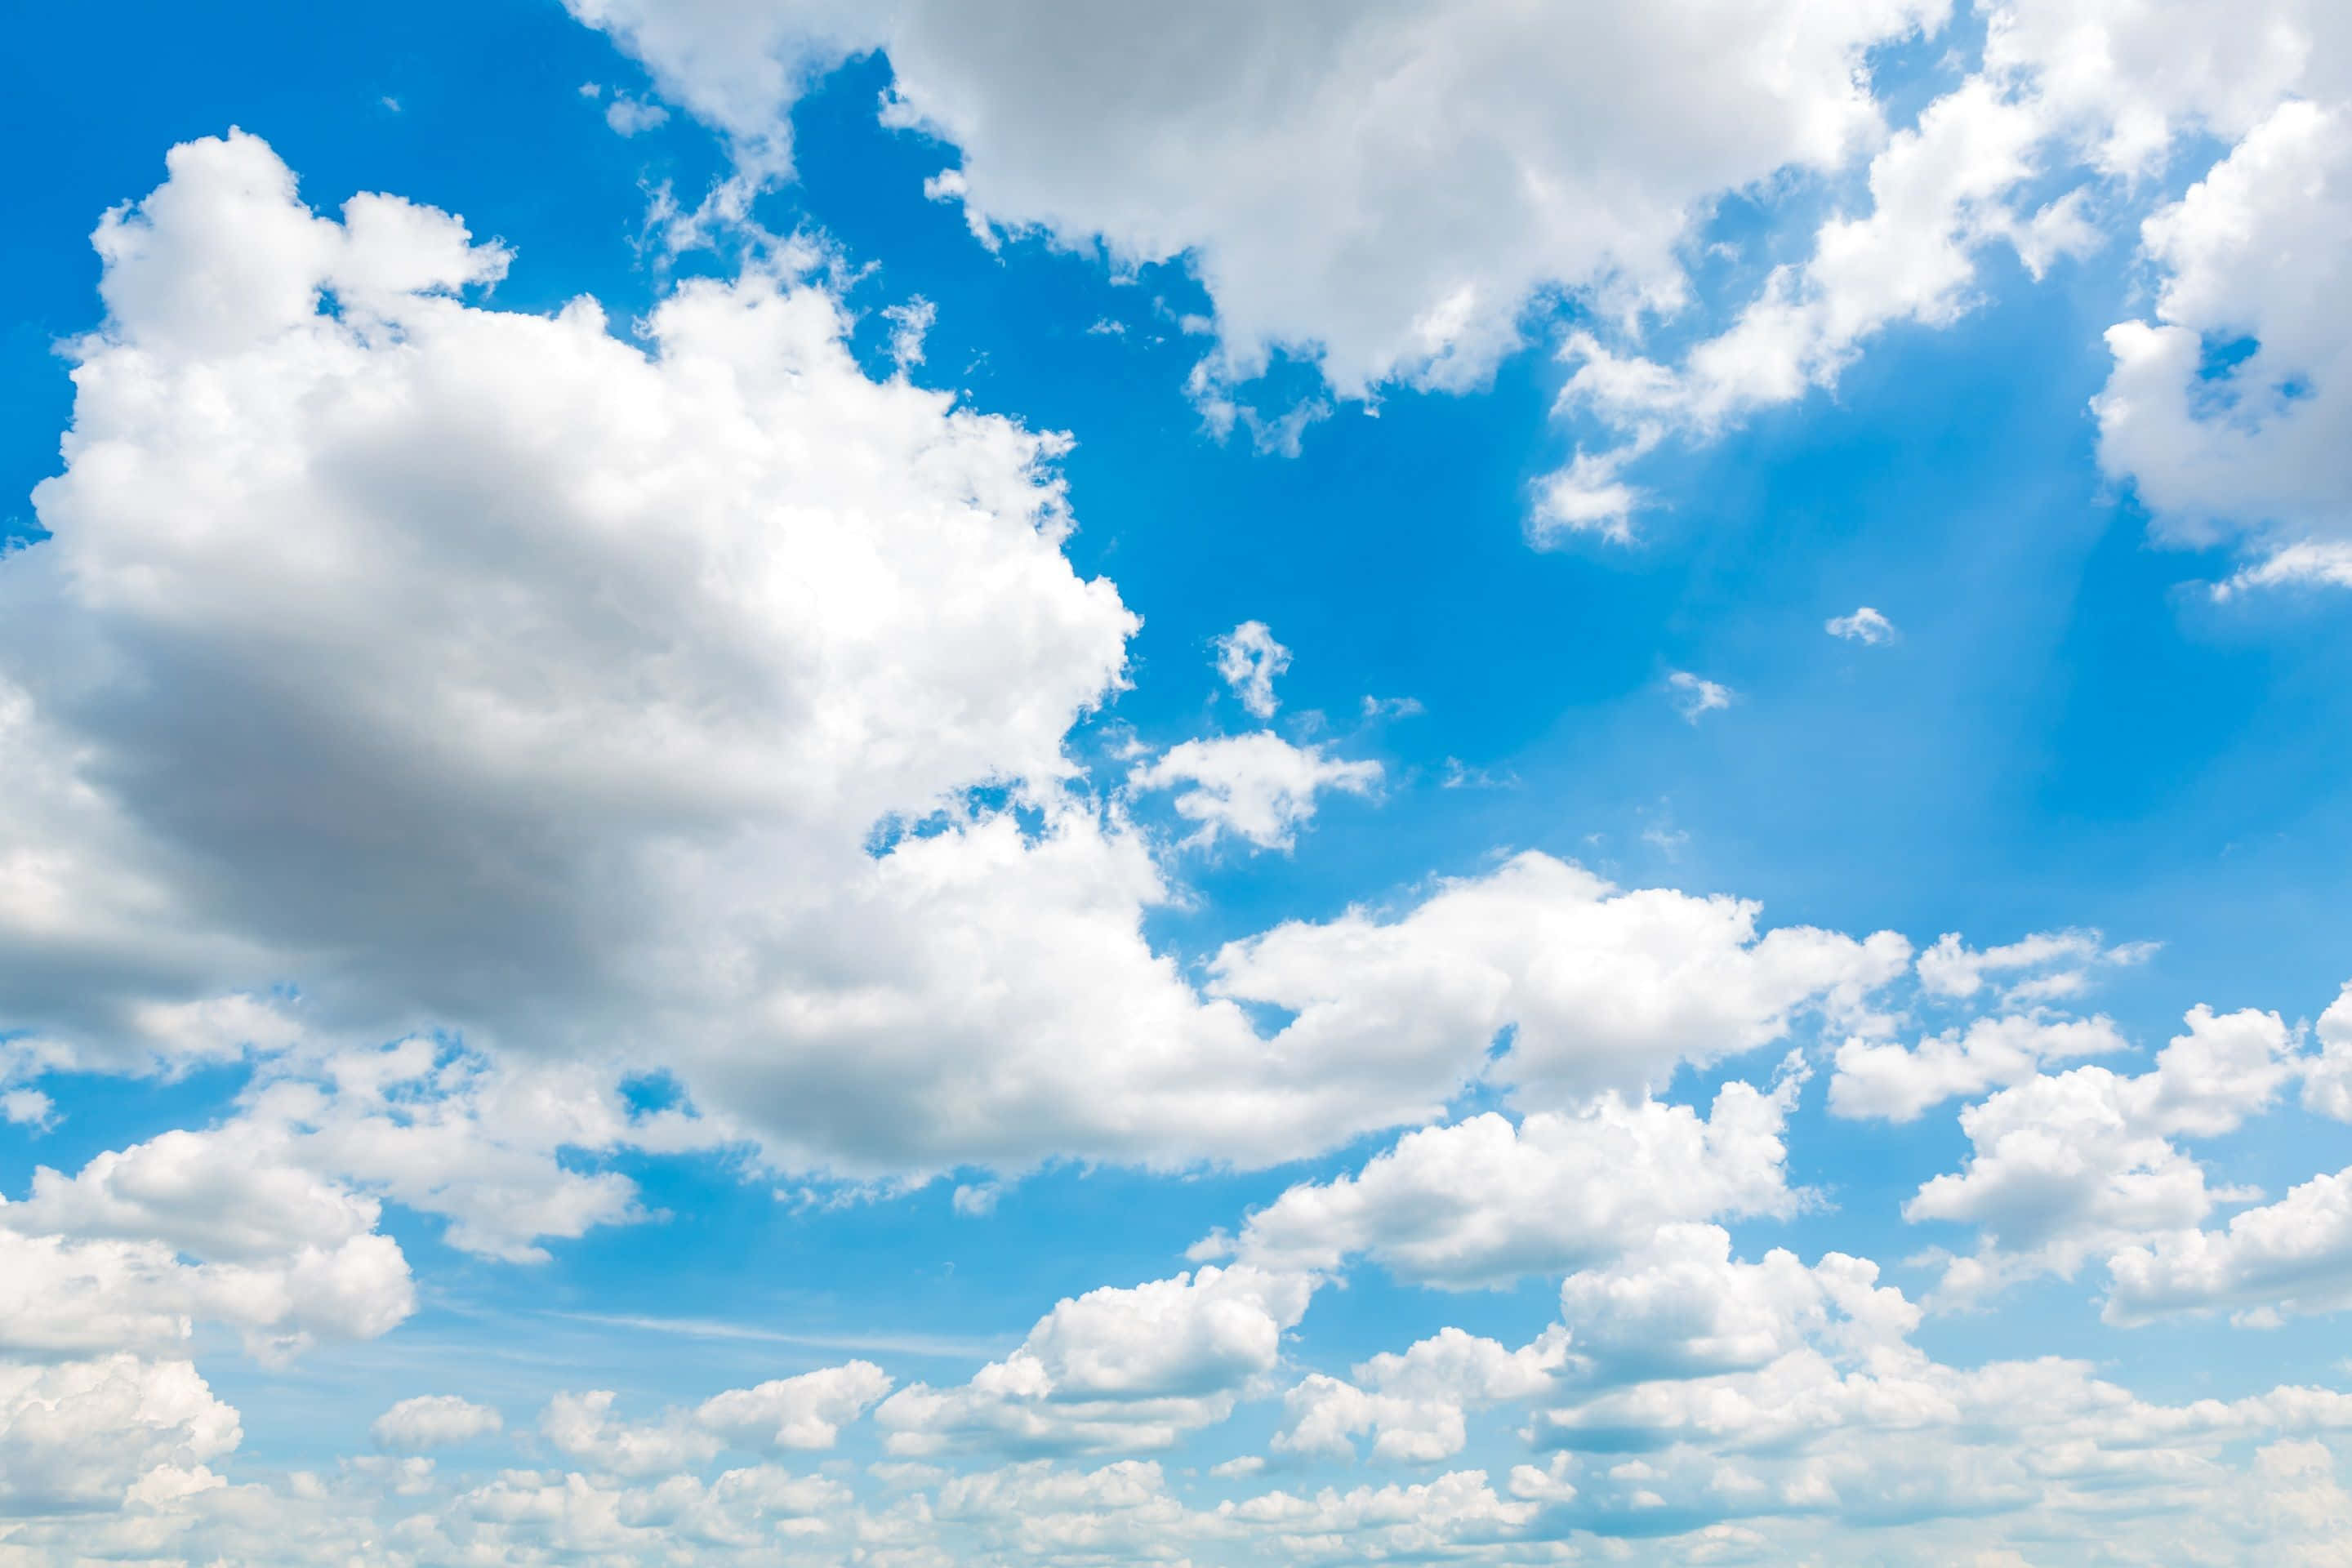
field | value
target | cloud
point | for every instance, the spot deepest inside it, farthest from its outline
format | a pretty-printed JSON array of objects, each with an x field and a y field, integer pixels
[
  {"x": 2051, "y": 966},
  {"x": 1258, "y": 788},
  {"x": 2084, "y": 1162},
  {"x": 795, "y": 1413},
  {"x": 433, "y": 1421},
  {"x": 1248, "y": 659},
  {"x": 622, "y": 709},
  {"x": 910, "y": 322},
  {"x": 1117, "y": 1368},
  {"x": 1694, "y": 696},
  {"x": 215, "y": 1226},
  {"x": 1395, "y": 237},
  {"x": 76, "y": 1435},
  {"x": 629, "y": 116},
  {"x": 1602, "y": 988},
  {"x": 1412, "y": 1404},
  {"x": 1482, "y": 1203},
  {"x": 1865, "y": 625},
  {"x": 1901, "y": 1084},
  {"x": 2227, "y": 411}
]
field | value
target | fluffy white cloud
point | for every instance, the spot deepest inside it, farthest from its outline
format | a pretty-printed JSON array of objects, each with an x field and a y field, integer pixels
[
  {"x": 1682, "y": 1307},
  {"x": 1602, "y": 988},
  {"x": 1899, "y": 1083},
  {"x": 1483, "y": 1203},
  {"x": 2295, "y": 1254},
  {"x": 79, "y": 1434},
  {"x": 808, "y": 1411},
  {"x": 2229, "y": 411},
  {"x": 580, "y": 1427},
  {"x": 1115, "y": 1368},
  {"x": 433, "y": 1421},
  {"x": 1384, "y": 187},
  {"x": 2327, "y": 1082},
  {"x": 483, "y": 672},
  {"x": 803, "y": 1412},
  {"x": 1413, "y": 1404},
  {"x": 1258, "y": 786},
  {"x": 194, "y": 1225},
  {"x": 2086, "y": 1161}
]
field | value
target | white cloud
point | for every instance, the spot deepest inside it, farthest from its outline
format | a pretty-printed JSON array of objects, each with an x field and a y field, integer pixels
[
  {"x": 27, "y": 1107},
  {"x": 1485, "y": 1203},
  {"x": 218, "y": 1226},
  {"x": 1258, "y": 786},
  {"x": 2085, "y": 1163},
  {"x": 585, "y": 674},
  {"x": 2327, "y": 1082},
  {"x": 1384, "y": 189},
  {"x": 79, "y": 1434},
  {"x": 795, "y": 1413},
  {"x": 1117, "y": 1368},
  {"x": 791, "y": 1414},
  {"x": 433, "y": 1421},
  {"x": 1412, "y": 1404},
  {"x": 1683, "y": 1306},
  {"x": 628, "y": 116},
  {"x": 2295, "y": 1254},
  {"x": 1695, "y": 695},
  {"x": 1424, "y": 1518},
  {"x": 2251, "y": 447},
  {"x": 2049, "y": 965},
  {"x": 1900, "y": 1084},
  {"x": 1603, "y": 988},
  {"x": 1937, "y": 193},
  {"x": 909, "y": 324},
  {"x": 1248, "y": 659},
  {"x": 580, "y": 1427},
  {"x": 1865, "y": 625}
]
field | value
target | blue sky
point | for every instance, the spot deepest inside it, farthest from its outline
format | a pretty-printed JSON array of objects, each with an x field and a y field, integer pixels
[{"x": 940, "y": 785}]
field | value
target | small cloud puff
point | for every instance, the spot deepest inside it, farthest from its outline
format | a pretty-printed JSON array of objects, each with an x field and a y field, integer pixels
[
  {"x": 1248, "y": 659},
  {"x": 1695, "y": 695},
  {"x": 1865, "y": 625},
  {"x": 628, "y": 116}
]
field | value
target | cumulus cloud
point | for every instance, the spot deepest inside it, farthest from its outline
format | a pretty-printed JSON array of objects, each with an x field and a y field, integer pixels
[
  {"x": 142, "y": 1242},
  {"x": 801, "y": 1413},
  {"x": 1439, "y": 161},
  {"x": 1257, "y": 787},
  {"x": 2088, "y": 1161},
  {"x": 79, "y": 1433},
  {"x": 1413, "y": 1404},
  {"x": 1901, "y": 1083},
  {"x": 620, "y": 709},
  {"x": 433, "y": 1421},
  {"x": 2227, "y": 411},
  {"x": 795, "y": 1413},
  {"x": 1600, "y": 987},
  {"x": 1131, "y": 1368},
  {"x": 1485, "y": 1203}
]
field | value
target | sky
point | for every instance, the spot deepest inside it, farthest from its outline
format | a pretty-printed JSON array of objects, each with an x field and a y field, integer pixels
[{"x": 936, "y": 784}]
